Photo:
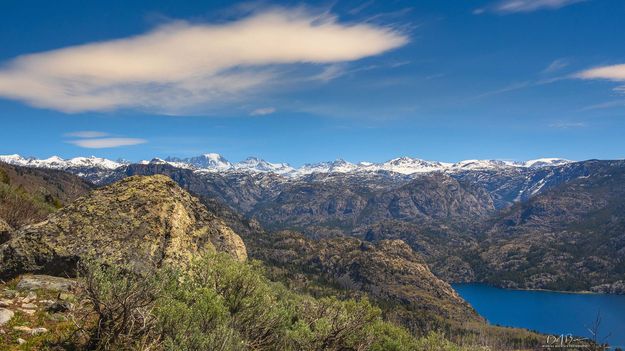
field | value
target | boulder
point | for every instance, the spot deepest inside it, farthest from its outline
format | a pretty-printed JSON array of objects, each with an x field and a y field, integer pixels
[{"x": 5, "y": 315}]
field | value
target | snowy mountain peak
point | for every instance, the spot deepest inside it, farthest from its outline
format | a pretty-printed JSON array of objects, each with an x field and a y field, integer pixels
[
  {"x": 546, "y": 162},
  {"x": 256, "y": 164},
  {"x": 212, "y": 162},
  {"x": 56, "y": 162},
  {"x": 208, "y": 161}
]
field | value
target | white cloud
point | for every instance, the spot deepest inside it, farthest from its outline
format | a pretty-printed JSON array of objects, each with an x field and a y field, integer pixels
[
  {"x": 263, "y": 111},
  {"x": 102, "y": 143},
  {"x": 613, "y": 72},
  {"x": 181, "y": 65},
  {"x": 516, "y": 6},
  {"x": 87, "y": 134}
]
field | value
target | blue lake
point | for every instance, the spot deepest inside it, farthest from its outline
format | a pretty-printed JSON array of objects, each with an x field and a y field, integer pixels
[{"x": 549, "y": 312}]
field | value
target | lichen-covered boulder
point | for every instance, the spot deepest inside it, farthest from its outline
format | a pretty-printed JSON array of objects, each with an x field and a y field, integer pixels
[{"x": 142, "y": 221}]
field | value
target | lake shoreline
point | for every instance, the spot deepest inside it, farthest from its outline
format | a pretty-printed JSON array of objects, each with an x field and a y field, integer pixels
[{"x": 580, "y": 292}]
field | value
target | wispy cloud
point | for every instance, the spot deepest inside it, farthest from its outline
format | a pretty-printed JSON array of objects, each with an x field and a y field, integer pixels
[
  {"x": 263, "y": 111},
  {"x": 103, "y": 143},
  {"x": 567, "y": 125},
  {"x": 524, "y": 6},
  {"x": 334, "y": 71},
  {"x": 605, "y": 105},
  {"x": 86, "y": 134},
  {"x": 181, "y": 65},
  {"x": 330, "y": 72},
  {"x": 556, "y": 65},
  {"x": 518, "y": 86}
]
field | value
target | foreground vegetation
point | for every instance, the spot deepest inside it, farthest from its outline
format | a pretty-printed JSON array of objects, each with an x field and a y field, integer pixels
[
  {"x": 216, "y": 303},
  {"x": 221, "y": 304}
]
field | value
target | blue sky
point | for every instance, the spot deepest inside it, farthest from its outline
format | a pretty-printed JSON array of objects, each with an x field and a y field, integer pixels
[{"x": 304, "y": 82}]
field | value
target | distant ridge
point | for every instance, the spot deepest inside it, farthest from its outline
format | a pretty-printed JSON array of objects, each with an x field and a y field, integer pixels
[{"x": 212, "y": 162}]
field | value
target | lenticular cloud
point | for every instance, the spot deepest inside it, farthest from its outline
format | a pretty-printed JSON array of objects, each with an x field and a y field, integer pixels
[{"x": 181, "y": 64}]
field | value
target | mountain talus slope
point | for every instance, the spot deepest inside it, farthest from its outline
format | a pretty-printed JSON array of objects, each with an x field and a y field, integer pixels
[{"x": 143, "y": 221}]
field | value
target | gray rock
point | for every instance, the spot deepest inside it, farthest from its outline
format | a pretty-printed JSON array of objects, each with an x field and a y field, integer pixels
[
  {"x": 5, "y": 315},
  {"x": 46, "y": 282}
]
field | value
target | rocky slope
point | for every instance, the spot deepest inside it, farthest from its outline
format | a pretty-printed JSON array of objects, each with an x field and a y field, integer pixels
[
  {"x": 28, "y": 195},
  {"x": 142, "y": 221},
  {"x": 389, "y": 272},
  {"x": 571, "y": 238}
]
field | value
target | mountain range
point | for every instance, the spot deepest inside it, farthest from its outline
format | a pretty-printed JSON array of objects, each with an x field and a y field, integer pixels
[
  {"x": 212, "y": 162},
  {"x": 547, "y": 224}
]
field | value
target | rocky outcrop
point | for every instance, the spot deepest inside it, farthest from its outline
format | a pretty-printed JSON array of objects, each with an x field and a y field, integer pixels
[{"x": 142, "y": 221}]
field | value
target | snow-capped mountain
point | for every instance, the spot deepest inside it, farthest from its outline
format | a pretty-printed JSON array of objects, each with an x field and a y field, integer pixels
[
  {"x": 545, "y": 162},
  {"x": 212, "y": 162},
  {"x": 254, "y": 164},
  {"x": 338, "y": 166},
  {"x": 56, "y": 162},
  {"x": 408, "y": 165}
]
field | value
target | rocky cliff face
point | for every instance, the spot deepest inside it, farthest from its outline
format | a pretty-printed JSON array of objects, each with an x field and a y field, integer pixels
[{"x": 142, "y": 221}]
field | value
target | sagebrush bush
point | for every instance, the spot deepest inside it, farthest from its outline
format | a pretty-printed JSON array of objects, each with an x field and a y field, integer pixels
[{"x": 217, "y": 303}]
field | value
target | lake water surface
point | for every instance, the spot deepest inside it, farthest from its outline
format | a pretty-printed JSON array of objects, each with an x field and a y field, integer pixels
[{"x": 549, "y": 312}]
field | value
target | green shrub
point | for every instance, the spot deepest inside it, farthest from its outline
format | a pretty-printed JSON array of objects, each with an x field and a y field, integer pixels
[
  {"x": 218, "y": 303},
  {"x": 122, "y": 303}
]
